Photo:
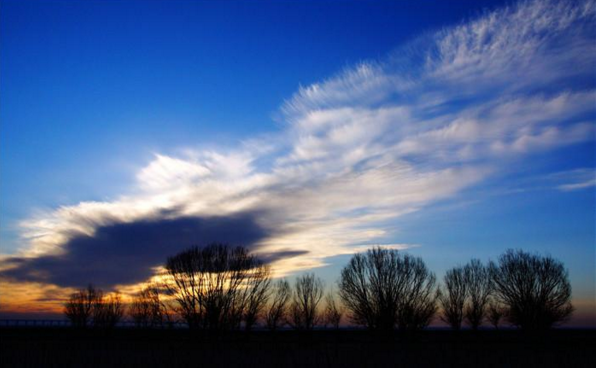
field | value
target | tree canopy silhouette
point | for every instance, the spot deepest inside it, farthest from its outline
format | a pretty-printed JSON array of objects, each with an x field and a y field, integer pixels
[
  {"x": 384, "y": 288},
  {"x": 90, "y": 306},
  {"x": 479, "y": 287},
  {"x": 277, "y": 311},
  {"x": 453, "y": 297},
  {"x": 218, "y": 287},
  {"x": 304, "y": 309},
  {"x": 495, "y": 313},
  {"x": 108, "y": 311},
  {"x": 79, "y": 307},
  {"x": 147, "y": 308},
  {"x": 534, "y": 289},
  {"x": 333, "y": 311}
]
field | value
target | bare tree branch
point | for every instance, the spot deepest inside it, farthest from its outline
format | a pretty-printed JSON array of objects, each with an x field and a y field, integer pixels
[
  {"x": 534, "y": 289},
  {"x": 108, "y": 311},
  {"x": 218, "y": 287},
  {"x": 147, "y": 309},
  {"x": 79, "y": 308},
  {"x": 277, "y": 312},
  {"x": 333, "y": 311},
  {"x": 304, "y": 309},
  {"x": 496, "y": 312},
  {"x": 384, "y": 288},
  {"x": 453, "y": 297},
  {"x": 477, "y": 279}
]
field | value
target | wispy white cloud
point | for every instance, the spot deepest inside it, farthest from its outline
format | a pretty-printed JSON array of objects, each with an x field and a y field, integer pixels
[
  {"x": 379, "y": 140},
  {"x": 576, "y": 186},
  {"x": 574, "y": 179}
]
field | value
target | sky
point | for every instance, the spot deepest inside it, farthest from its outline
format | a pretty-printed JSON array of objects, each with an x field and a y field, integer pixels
[{"x": 306, "y": 131}]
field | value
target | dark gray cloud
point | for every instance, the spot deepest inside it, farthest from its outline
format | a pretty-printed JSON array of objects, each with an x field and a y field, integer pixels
[
  {"x": 124, "y": 253},
  {"x": 281, "y": 254}
]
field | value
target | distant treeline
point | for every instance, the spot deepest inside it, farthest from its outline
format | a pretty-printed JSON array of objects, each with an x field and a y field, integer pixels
[{"x": 221, "y": 288}]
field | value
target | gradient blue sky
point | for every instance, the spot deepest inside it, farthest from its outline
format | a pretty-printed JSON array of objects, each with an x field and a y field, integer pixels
[
  {"x": 112, "y": 82},
  {"x": 453, "y": 129}
]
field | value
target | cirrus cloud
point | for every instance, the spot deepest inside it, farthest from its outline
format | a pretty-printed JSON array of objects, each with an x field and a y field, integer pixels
[{"x": 377, "y": 141}]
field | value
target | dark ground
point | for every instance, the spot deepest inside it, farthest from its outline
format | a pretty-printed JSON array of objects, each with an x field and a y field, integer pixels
[{"x": 64, "y": 347}]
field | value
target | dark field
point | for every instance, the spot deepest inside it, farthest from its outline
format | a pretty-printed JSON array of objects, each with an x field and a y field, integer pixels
[{"x": 63, "y": 347}]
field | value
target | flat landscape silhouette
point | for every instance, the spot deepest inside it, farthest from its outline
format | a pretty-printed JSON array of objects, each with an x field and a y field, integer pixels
[{"x": 217, "y": 306}]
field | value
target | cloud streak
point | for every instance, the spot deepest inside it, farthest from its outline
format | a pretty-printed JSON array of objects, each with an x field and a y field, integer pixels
[
  {"x": 379, "y": 140},
  {"x": 578, "y": 179}
]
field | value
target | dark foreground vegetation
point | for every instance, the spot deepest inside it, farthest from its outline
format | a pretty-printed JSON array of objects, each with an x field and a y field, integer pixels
[
  {"x": 129, "y": 347},
  {"x": 220, "y": 288},
  {"x": 218, "y": 306}
]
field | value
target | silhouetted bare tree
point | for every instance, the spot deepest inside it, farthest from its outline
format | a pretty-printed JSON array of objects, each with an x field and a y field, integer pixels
[
  {"x": 370, "y": 286},
  {"x": 453, "y": 297},
  {"x": 304, "y": 310},
  {"x": 535, "y": 289},
  {"x": 255, "y": 294},
  {"x": 277, "y": 311},
  {"x": 108, "y": 311},
  {"x": 90, "y": 306},
  {"x": 478, "y": 282},
  {"x": 495, "y": 313},
  {"x": 147, "y": 309},
  {"x": 418, "y": 304},
  {"x": 333, "y": 311},
  {"x": 384, "y": 288},
  {"x": 79, "y": 307},
  {"x": 216, "y": 287}
]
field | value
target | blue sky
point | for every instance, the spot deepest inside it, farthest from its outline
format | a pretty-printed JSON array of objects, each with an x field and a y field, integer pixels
[
  {"x": 450, "y": 129},
  {"x": 116, "y": 81}
]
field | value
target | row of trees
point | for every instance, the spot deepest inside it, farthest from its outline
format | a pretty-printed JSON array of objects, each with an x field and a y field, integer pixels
[
  {"x": 90, "y": 306},
  {"x": 530, "y": 291},
  {"x": 299, "y": 306},
  {"x": 220, "y": 288}
]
